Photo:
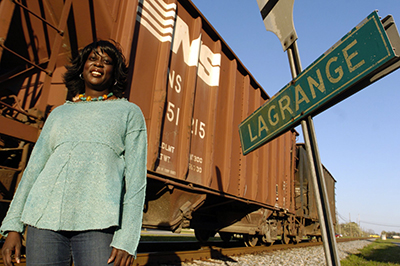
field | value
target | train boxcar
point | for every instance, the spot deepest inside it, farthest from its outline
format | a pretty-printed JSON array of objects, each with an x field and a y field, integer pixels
[
  {"x": 305, "y": 200},
  {"x": 193, "y": 91}
]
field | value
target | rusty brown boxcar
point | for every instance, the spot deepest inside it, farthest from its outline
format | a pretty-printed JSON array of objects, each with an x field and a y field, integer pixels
[
  {"x": 305, "y": 201},
  {"x": 193, "y": 91}
]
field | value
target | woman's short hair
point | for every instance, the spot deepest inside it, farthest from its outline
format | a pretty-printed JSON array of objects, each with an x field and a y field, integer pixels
[{"x": 76, "y": 85}]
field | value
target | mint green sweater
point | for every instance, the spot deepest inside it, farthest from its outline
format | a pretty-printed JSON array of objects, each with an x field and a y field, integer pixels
[{"x": 86, "y": 171}]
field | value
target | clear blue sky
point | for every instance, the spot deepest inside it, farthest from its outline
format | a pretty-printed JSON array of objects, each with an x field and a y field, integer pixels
[{"x": 358, "y": 138}]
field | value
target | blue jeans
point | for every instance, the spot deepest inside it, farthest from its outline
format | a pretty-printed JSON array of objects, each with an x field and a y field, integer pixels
[{"x": 56, "y": 248}]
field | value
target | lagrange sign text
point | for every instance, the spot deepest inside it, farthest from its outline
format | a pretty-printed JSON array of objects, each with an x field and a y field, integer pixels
[
  {"x": 304, "y": 93},
  {"x": 331, "y": 77}
]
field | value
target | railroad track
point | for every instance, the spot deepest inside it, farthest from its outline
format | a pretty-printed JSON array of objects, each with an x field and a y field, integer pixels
[
  {"x": 211, "y": 251},
  {"x": 215, "y": 252}
]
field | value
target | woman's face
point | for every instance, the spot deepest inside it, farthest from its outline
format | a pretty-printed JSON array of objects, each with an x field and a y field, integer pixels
[{"x": 98, "y": 71}]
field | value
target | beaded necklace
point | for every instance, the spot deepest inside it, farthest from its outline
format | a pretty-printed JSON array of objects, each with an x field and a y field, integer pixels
[{"x": 89, "y": 98}]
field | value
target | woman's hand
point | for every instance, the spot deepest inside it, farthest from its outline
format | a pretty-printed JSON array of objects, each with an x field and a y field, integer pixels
[
  {"x": 12, "y": 245},
  {"x": 120, "y": 258}
]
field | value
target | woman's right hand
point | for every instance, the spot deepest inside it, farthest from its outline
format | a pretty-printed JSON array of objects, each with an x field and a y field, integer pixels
[{"x": 12, "y": 245}]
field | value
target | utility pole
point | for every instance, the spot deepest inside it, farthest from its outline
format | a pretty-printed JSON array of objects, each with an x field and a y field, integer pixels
[{"x": 350, "y": 225}]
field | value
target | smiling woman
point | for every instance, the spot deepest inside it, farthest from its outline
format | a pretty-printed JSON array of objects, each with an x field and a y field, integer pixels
[
  {"x": 99, "y": 69},
  {"x": 82, "y": 193},
  {"x": 98, "y": 72}
]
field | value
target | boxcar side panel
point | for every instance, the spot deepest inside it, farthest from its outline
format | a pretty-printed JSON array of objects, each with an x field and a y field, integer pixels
[
  {"x": 149, "y": 59},
  {"x": 222, "y": 167},
  {"x": 203, "y": 122}
]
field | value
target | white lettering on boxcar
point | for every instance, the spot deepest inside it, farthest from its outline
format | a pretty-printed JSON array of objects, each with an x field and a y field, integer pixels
[
  {"x": 193, "y": 161},
  {"x": 167, "y": 147},
  {"x": 197, "y": 54},
  {"x": 159, "y": 18},
  {"x": 198, "y": 128},
  {"x": 175, "y": 81},
  {"x": 164, "y": 157},
  {"x": 209, "y": 66},
  {"x": 173, "y": 113}
]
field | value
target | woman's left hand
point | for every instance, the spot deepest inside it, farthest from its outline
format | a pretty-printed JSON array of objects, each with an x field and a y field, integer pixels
[{"x": 120, "y": 258}]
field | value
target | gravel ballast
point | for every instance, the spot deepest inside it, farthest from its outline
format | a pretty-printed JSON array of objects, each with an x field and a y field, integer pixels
[{"x": 310, "y": 256}]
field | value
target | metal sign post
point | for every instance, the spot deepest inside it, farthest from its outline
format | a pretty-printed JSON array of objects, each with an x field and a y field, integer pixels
[
  {"x": 317, "y": 178},
  {"x": 346, "y": 68}
]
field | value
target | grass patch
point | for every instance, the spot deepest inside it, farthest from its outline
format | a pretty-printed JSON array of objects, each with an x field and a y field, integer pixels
[{"x": 379, "y": 252}]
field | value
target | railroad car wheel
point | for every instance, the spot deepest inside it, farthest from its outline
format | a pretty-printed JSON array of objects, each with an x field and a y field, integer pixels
[
  {"x": 264, "y": 240},
  {"x": 226, "y": 237},
  {"x": 268, "y": 243},
  {"x": 250, "y": 240},
  {"x": 202, "y": 235},
  {"x": 285, "y": 238},
  {"x": 295, "y": 239}
]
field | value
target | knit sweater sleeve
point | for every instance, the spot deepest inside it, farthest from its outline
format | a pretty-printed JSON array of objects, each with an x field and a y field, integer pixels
[
  {"x": 39, "y": 156},
  {"x": 127, "y": 236}
]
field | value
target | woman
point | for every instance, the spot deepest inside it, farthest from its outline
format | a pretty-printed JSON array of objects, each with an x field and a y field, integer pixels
[{"x": 83, "y": 190}]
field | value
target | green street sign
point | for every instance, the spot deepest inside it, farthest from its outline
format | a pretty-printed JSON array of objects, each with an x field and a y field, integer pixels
[{"x": 344, "y": 69}]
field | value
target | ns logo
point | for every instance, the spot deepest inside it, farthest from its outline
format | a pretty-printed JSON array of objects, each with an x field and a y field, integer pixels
[{"x": 171, "y": 28}]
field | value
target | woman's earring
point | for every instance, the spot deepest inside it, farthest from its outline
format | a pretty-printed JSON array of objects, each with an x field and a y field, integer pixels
[
  {"x": 81, "y": 76},
  {"x": 116, "y": 82}
]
